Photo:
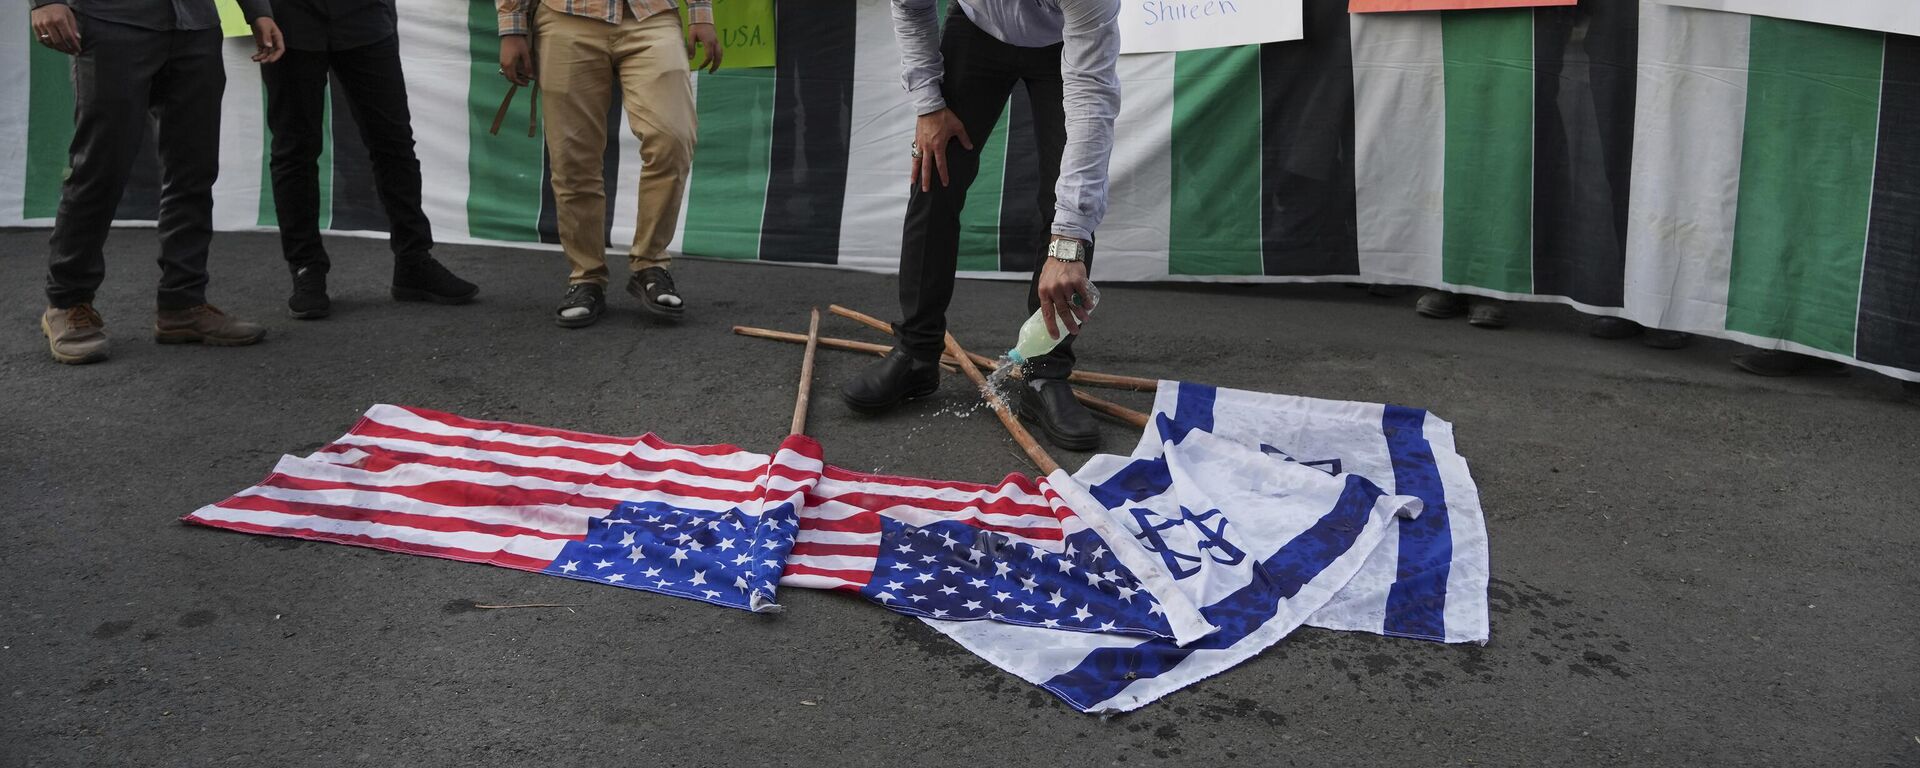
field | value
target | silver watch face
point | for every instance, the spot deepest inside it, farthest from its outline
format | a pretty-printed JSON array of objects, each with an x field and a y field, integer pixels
[{"x": 1065, "y": 250}]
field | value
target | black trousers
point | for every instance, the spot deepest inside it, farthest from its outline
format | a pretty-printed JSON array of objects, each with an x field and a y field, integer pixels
[
  {"x": 127, "y": 81},
  {"x": 376, "y": 91},
  {"x": 981, "y": 72}
]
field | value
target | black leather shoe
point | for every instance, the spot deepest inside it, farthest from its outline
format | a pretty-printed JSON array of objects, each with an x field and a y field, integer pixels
[
  {"x": 309, "y": 300},
  {"x": 582, "y": 306},
  {"x": 1065, "y": 422},
  {"x": 895, "y": 379},
  {"x": 425, "y": 279},
  {"x": 654, "y": 288},
  {"x": 1614, "y": 328}
]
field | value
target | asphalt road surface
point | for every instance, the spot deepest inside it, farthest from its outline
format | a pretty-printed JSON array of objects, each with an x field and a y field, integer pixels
[{"x": 1691, "y": 565}]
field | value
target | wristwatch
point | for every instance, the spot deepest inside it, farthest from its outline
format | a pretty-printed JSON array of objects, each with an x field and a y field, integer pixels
[{"x": 1067, "y": 249}]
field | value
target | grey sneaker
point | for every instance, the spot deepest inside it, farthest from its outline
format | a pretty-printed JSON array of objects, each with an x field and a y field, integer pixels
[{"x": 75, "y": 335}]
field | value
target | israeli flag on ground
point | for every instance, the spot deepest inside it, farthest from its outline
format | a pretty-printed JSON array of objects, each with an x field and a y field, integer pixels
[{"x": 1268, "y": 512}]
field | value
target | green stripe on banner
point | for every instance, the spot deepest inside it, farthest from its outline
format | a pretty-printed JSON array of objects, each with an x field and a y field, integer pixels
[
  {"x": 269, "y": 215},
  {"x": 1215, "y": 227},
  {"x": 1800, "y": 235},
  {"x": 980, "y": 219},
  {"x": 49, "y": 129},
  {"x": 504, "y": 171},
  {"x": 1488, "y": 212},
  {"x": 728, "y": 198}
]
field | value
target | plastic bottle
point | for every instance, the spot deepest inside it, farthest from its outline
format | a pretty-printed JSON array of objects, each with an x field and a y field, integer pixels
[{"x": 1035, "y": 341}]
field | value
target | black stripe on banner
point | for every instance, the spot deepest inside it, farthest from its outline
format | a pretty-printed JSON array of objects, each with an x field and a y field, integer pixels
[
  {"x": 356, "y": 204},
  {"x": 1585, "y": 58},
  {"x": 1309, "y": 210},
  {"x": 549, "y": 224},
  {"x": 1023, "y": 222},
  {"x": 812, "y": 131},
  {"x": 140, "y": 201},
  {"x": 1889, "y": 329}
]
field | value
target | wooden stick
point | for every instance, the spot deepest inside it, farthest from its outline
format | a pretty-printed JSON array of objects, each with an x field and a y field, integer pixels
[
  {"x": 1089, "y": 378},
  {"x": 1034, "y": 452},
  {"x": 806, "y": 376},
  {"x": 830, "y": 343},
  {"x": 1126, "y": 415},
  {"x": 1133, "y": 418}
]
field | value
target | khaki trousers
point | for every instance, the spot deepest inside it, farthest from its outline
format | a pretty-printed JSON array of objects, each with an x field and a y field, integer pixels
[{"x": 580, "y": 61}]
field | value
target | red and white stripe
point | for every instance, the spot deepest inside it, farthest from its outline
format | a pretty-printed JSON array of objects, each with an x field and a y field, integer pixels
[
  {"x": 431, "y": 483},
  {"x": 838, "y": 544}
]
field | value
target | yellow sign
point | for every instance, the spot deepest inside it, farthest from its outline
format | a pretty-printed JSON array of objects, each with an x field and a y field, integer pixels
[
  {"x": 746, "y": 33},
  {"x": 233, "y": 23}
]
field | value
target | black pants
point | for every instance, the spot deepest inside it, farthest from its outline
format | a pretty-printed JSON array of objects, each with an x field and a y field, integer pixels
[
  {"x": 123, "y": 78},
  {"x": 376, "y": 91},
  {"x": 980, "y": 75}
]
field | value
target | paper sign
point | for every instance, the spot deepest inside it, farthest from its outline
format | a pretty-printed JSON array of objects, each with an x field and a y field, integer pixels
[
  {"x": 233, "y": 23},
  {"x": 746, "y": 33},
  {"x": 1900, "y": 17},
  {"x": 1151, "y": 26}
]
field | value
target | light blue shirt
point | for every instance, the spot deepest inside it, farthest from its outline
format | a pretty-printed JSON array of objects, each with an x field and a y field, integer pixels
[{"x": 1089, "y": 65}]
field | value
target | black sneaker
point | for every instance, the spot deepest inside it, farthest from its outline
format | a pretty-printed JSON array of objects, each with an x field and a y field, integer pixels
[
  {"x": 309, "y": 300},
  {"x": 1487, "y": 313},
  {"x": 1066, "y": 423},
  {"x": 582, "y": 306},
  {"x": 653, "y": 286},
  {"x": 895, "y": 379},
  {"x": 426, "y": 279}
]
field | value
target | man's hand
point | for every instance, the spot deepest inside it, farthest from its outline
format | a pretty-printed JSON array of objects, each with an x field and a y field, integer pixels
[
  {"x": 269, "y": 44},
  {"x": 54, "y": 24},
  {"x": 930, "y": 140},
  {"x": 1059, "y": 282},
  {"x": 516, "y": 59},
  {"x": 709, "y": 41}
]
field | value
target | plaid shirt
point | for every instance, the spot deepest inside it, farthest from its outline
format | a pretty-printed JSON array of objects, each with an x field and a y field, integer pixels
[{"x": 514, "y": 13}]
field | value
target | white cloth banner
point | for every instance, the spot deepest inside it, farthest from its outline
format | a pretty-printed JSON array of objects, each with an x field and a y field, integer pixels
[
  {"x": 1270, "y": 512},
  {"x": 1156, "y": 26},
  {"x": 1900, "y": 17}
]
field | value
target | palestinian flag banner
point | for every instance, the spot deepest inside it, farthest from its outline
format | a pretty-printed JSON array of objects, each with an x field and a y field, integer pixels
[
  {"x": 1383, "y": 6},
  {"x": 1898, "y": 16},
  {"x": 1744, "y": 177}
]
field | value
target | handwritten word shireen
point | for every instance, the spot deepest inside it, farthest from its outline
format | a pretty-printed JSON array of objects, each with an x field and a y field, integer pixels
[{"x": 1158, "y": 12}]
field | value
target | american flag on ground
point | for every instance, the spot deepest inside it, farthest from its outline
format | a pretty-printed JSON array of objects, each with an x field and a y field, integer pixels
[
  {"x": 1239, "y": 517},
  {"x": 714, "y": 523}
]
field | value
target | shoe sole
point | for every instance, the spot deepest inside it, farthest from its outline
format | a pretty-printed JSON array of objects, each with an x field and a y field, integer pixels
[
  {"x": 1655, "y": 342},
  {"x": 1491, "y": 324},
  {"x": 418, "y": 294},
  {"x": 1440, "y": 314},
  {"x": 867, "y": 407},
  {"x": 1079, "y": 445},
  {"x": 191, "y": 337},
  {"x": 311, "y": 314},
  {"x": 659, "y": 310},
  {"x": 578, "y": 322}
]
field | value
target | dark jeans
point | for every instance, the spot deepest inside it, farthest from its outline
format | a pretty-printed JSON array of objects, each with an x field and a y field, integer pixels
[
  {"x": 296, "y": 113},
  {"x": 125, "y": 80},
  {"x": 980, "y": 75}
]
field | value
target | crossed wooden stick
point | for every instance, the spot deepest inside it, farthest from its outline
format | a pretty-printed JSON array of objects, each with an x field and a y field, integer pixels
[{"x": 955, "y": 357}]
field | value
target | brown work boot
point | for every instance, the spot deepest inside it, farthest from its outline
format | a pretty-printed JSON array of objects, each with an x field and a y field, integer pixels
[
  {"x": 75, "y": 334},
  {"x": 205, "y": 324}
]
